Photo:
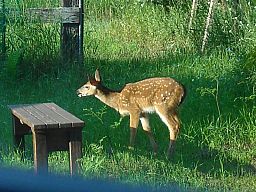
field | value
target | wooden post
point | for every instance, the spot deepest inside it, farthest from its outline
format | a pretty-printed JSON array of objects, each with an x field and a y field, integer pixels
[
  {"x": 72, "y": 34},
  {"x": 71, "y": 16}
]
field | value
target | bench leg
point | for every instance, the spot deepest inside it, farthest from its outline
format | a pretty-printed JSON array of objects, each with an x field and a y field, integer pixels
[
  {"x": 75, "y": 150},
  {"x": 18, "y": 134},
  {"x": 40, "y": 152}
]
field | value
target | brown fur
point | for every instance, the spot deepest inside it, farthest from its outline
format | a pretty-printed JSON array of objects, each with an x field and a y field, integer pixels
[{"x": 160, "y": 95}]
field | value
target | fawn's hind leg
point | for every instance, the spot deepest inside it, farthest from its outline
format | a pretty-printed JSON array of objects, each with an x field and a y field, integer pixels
[
  {"x": 171, "y": 120},
  {"x": 144, "y": 119}
]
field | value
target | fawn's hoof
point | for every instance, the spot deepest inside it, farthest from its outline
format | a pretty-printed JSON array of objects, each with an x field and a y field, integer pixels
[
  {"x": 170, "y": 153},
  {"x": 170, "y": 156}
]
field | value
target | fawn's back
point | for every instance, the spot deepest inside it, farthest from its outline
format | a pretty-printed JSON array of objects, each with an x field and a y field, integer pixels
[{"x": 147, "y": 94}]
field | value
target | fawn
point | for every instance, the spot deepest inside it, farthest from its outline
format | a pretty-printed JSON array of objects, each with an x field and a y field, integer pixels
[{"x": 160, "y": 95}]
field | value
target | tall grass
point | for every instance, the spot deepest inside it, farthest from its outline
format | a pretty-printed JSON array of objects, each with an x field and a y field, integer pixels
[
  {"x": 36, "y": 43},
  {"x": 130, "y": 41},
  {"x": 133, "y": 30}
]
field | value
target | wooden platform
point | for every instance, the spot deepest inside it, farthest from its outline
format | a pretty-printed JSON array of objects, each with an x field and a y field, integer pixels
[{"x": 53, "y": 129}]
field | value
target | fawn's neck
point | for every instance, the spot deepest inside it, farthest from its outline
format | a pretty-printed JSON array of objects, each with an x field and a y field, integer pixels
[{"x": 108, "y": 97}]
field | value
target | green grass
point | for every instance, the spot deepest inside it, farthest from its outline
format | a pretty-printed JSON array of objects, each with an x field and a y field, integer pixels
[{"x": 216, "y": 148}]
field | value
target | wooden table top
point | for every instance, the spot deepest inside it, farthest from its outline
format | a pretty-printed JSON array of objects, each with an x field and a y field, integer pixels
[{"x": 45, "y": 115}]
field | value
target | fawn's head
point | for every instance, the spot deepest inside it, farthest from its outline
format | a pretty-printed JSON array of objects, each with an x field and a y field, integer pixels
[{"x": 90, "y": 88}]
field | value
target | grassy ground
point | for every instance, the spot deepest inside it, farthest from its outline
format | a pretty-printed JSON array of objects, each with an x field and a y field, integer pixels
[{"x": 216, "y": 148}]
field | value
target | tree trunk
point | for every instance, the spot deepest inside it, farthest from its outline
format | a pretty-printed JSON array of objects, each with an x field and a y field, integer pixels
[
  {"x": 72, "y": 34},
  {"x": 208, "y": 23},
  {"x": 193, "y": 13}
]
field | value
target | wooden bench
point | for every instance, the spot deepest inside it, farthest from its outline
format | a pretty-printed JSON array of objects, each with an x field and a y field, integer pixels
[{"x": 52, "y": 128}]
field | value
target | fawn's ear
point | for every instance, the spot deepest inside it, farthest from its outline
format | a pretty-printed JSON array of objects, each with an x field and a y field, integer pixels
[{"x": 97, "y": 75}]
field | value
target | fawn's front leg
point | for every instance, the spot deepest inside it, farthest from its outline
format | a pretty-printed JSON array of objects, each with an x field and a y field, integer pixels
[
  {"x": 134, "y": 121},
  {"x": 144, "y": 119}
]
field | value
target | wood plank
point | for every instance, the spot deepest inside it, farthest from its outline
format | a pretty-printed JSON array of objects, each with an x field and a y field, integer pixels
[
  {"x": 26, "y": 117},
  {"x": 55, "y": 15},
  {"x": 50, "y": 123},
  {"x": 47, "y": 15},
  {"x": 71, "y": 15},
  {"x": 62, "y": 121},
  {"x": 45, "y": 115},
  {"x": 75, "y": 122}
]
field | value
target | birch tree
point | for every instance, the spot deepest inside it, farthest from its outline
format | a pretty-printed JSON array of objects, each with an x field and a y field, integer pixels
[
  {"x": 207, "y": 24},
  {"x": 193, "y": 13}
]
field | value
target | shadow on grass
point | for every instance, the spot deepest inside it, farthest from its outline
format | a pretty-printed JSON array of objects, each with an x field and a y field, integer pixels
[{"x": 210, "y": 161}]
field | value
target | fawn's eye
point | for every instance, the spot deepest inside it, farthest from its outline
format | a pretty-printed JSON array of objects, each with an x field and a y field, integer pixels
[{"x": 86, "y": 87}]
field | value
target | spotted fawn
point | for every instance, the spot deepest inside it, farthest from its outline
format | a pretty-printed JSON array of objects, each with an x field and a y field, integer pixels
[{"x": 160, "y": 95}]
